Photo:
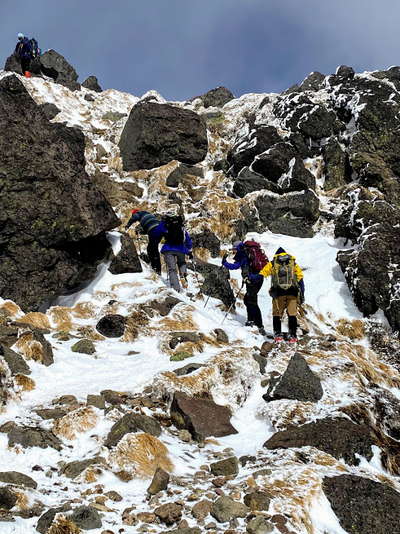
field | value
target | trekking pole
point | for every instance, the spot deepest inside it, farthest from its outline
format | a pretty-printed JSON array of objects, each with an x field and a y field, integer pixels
[
  {"x": 233, "y": 302},
  {"x": 208, "y": 298}
]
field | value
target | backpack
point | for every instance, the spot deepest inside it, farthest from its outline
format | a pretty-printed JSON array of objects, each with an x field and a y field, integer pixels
[
  {"x": 175, "y": 230},
  {"x": 35, "y": 50},
  {"x": 256, "y": 256},
  {"x": 283, "y": 272}
]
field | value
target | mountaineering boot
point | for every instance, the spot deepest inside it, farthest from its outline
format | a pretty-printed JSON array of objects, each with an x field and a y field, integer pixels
[
  {"x": 292, "y": 339},
  {"x": 262, "y": 331},
  {"x": 249, "y": 323},
  {"x": 27, "y": 74},
  {"x": 184, "y": 283},
  {"x": 278, "y": 338}
]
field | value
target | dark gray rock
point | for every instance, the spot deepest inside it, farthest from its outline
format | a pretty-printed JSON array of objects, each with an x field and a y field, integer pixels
[
  {"x": 217, "y": 97},
  {"x": 46, "y": 519},
  {"x": 344, "y": 72},
  {"x": 339, "y": 437},
  {"x": 363, "y": 506},
  {"x": 337, "y": 165},
  {"x": 92, "y": 83},
  {"x": 51, "y": 413},
  {"x": 260, "y": 525},
  {"x": 297, "y": 383},
  {"x": 313, "y": 82},
  {"x": 84, "y": 346},
  {"x": 8, "y": 335},
  {"x": 132, "y": 423},
  {"x": 18, "y": 479},
  {"x": 112, "y": 325},
  {"x": 13, "y": 64},
  {"x": 319, "y": 123},
  {"x": 127, "y": 260},
  {"x": 225, "y": 467},
  {"x": 221, "y": 335},
  {"x": 47, "y": 350},
  {"x": 183, "y": 337},
  {"x": 97, "y": 401},
  {"x": 50, "y": 110},
  {"x": 216, "y": 282},
  {"x": 202, "y": 417},
  {"x": 55, "y": 66},
  {"x": 74, "y": 469},
  {"x": 58, "y": 243},
  {"x": 224, "y": 509},
  {"x": 188, "y": 530},
  {"x": 182, "y": 174},
  {"x": 8, "y": 498},
  {"x": 290, "y": 214},
  {"x": 155, "y": 134},
  {"x": 27, "y": 436},
  {"x": 208, "y": 240},
  {"x": 163, "y": 307},
  {"x": 248, "y": 181},
  {"x": 188, "y": 369},
  {"x": 259, "y": 140},
  {"x": 15, "y": 361},
  {"x": 86, "y": 517},
  {"x": 159, "y": 482}
]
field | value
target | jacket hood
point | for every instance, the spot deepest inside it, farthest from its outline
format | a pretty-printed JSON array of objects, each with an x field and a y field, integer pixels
[{"x": 280, "y": 250}]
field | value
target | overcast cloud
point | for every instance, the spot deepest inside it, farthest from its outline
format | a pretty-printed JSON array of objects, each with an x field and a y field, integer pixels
[{"x": 183, "y": 48}]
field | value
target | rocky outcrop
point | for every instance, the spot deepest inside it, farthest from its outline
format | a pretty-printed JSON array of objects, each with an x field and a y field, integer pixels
[
  {"x": 339, "y": 437},
  {"x": 297, "y": 383},
  {"x": 55, "y": 66},
  {"x": 291, "y": 214},
  {"x": 92, "y": 83},
  {"x": 33, "y": 437},
  {"x": 127, "y": 260},
  {"x": 52, "y": 218},
  {"x": 86, "y": 517},
  {"x": 362, "y": 505},
  {"x": 208, "y": 240},
  {"x": 156, "y": 134},
  {"x": 15, "y": 361},
  {"x": 18, "y": 479},
  {"x": 217, "y": 97},
  {"x": 202, "y": 417}
]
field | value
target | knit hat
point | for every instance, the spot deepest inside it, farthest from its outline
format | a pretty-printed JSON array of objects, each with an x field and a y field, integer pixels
[
  {"x": 236, "y": 244},
  {"x": 280, "y": 251},
  {"x": 134, "y": 211}
]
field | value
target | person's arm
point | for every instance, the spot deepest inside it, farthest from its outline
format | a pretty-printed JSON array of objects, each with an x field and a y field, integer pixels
[
  {"x": 188, "y": 241},
  {"x": 298, "y": 272},
  {"x": 134, "y": 218},
  {"x": 267, "y": 270},
  {"x": 231, "y": 266}
]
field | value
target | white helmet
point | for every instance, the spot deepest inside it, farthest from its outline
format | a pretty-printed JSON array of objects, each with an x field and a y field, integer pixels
[{"x": 21, "y": 36}]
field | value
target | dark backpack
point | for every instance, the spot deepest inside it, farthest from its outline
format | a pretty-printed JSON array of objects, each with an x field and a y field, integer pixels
[
  {"x": 175, "y": 229},
  {"x": 35, "y": 50},
  {"x": 257, "y": 257}
]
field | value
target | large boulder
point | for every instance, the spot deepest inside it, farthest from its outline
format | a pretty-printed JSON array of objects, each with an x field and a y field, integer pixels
[
  {"x": 92, "y": 83},
  {"x": 27, "y": 436},
  {"x": 156, "y": 134},
  {"x": 216, "y": 282},
  {"x": 15, "y": 361},
  {"x": 55, "y": 66},
  {"x": 13, "y": 64},
  {"x": 52, "y": 218},
  {"x": 132, "y": 422},
  {"x": 339, "y": 437},
  {"x": 202, "y": 417},
  {"x": 362, "y": 505},
  {"x": 127, "y": 260},
  {"x": 208, "y": 240},
  {"x": 291, "y": 214},
  {"x": 298, "y": 382}
]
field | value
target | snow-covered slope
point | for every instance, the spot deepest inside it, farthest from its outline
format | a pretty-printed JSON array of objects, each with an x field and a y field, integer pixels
[{"x": 139, "y": 364}]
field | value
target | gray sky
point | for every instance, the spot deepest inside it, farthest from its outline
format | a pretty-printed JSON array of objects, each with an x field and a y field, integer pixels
[{"x": 183, "y": 48}]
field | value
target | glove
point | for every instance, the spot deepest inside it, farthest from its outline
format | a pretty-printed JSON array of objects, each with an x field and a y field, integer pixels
[
  {"x": 224, "y": 257},
  {"x": 246, "y": 280},
  {"x": 190, "y": 255}
]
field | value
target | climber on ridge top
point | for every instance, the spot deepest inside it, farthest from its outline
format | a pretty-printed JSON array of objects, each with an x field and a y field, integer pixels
[
  {"x": 287, "y": 287},
  {"x": 26, "y": 50}
]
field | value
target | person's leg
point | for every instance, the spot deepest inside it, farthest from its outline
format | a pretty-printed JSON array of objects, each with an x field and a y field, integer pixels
[
  {"x": 277, "y": 311},
  {"x": 170, "y": 260},
  {"x": 25, "y": 64},
  {"x": 251, "y": 302},
  {"x": 154, "y": 254},
  {"x": 182, "y": 267},
  {"x": 292, "y": 314}
]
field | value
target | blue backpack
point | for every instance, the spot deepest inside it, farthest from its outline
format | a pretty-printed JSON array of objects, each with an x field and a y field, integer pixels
[{"x": 35, "y": 50}]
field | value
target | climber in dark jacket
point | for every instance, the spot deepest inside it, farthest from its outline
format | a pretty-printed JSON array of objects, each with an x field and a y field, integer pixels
[
  {"x": 23, "y": 51},
  {"x": 253, "y": 283},
  {"x": 155, "y": 231}
]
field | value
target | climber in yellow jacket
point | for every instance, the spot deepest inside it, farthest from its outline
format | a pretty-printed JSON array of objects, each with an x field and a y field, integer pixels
[{"x": 287, "y": 287}]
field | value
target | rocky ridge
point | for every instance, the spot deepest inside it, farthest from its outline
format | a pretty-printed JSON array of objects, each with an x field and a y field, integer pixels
[{"x": 99, "y": 441}]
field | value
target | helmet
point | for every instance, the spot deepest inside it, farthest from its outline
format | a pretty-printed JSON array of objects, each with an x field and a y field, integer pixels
[{"x": 21, "y": 36}]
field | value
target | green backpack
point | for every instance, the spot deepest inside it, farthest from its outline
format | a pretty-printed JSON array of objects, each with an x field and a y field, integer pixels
[{"x": 283, "y": 272}]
